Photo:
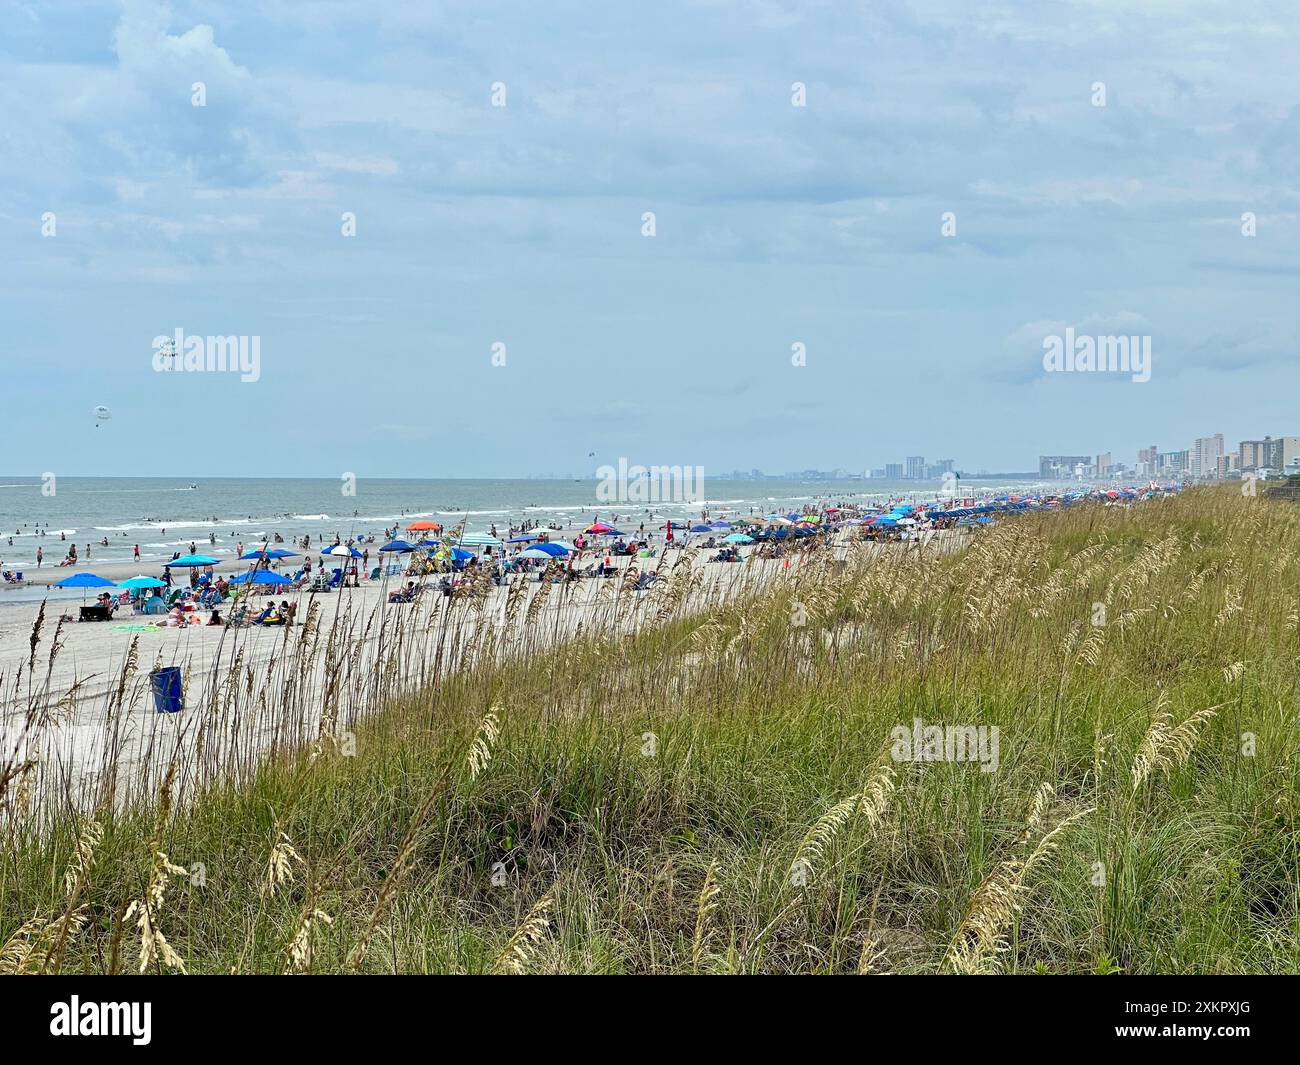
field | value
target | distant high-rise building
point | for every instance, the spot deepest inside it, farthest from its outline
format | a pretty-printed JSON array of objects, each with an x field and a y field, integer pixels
[
  {"x": 894, "y": 471},
  {"x": 915, "y": 467},
  {"x": 1060, "y": 467},
  {"x": 1290, "y": 452},
  {"x": 1206, "y": 453},
  {"x": 1147, "y": 458},
  {"x": 1173, "y": 463},
  {"x": 1261, "y": 454},
  {"x": 1103, "y": 464}
]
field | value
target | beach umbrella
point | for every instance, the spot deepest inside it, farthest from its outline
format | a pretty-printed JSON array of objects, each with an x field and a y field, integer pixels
[
  {"x": 265, "y": 553},
  {"x": 341, "y": 551},
  {"x": 599, "y": 527},
  {"x": 397, "y": 545},
  {"x": 194, "y": 561},
  {"x": 261, "y": 576},
  {"x": 429, "y": 544},
  {"x": 480, "y": 541},
  {"x": 554, "y": 550},
  {"x": 615, "y": 532},
  {"x": 526, "y": 538},
  {"x": 459, "y": 555},
  {"x": 737, "y": 538},
  {"x": 777, "y": 519},
  {"x": 534, "y": 552},
  {"x": 723, "y": 524},
  {"x": 701, "y": 528},
  {"x": 136, "y": 583},
  {"x": 424, "y": 526},
  {"x": 84, "y": 581}
]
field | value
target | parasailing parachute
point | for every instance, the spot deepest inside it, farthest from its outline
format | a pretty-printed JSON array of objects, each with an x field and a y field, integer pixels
[{"x": 102, "y": 414}]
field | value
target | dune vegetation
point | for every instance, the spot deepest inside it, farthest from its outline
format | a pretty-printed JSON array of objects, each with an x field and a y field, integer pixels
[{"x": 720, "y": 790}]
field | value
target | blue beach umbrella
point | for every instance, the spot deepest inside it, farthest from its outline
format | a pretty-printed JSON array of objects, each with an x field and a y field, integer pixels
[
  {"x": 265, "y": 552},
  {"x": 341, "y": 551},
  {"x": 554, "y": 550},
  {"x": 135, "y": 584},
  {"x": 737, "y": 538},
  {"x": 85, "y": 580},
  {"x": 261, "y": 576},
  {"x": 533, "y": 552},
  {"x": 701, "y": 528},
  {"x": 194, "y": 561},
  {"x": 526, "y": 538},
  {"x": 397, "y": 545}
]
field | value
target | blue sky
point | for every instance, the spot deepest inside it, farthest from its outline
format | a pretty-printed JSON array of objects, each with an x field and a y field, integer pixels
[{"x": 522, "y": 224}]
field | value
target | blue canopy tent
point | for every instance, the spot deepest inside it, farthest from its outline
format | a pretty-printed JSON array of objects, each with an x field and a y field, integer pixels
[{"x": 396, "y": 545}]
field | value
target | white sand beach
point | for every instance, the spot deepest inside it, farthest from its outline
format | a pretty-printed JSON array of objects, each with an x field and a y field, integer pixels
[{"x": 85, "y": 717}]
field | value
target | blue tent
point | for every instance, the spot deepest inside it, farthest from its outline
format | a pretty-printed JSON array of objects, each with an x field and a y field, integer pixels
[{"x": 266, "y": 552}]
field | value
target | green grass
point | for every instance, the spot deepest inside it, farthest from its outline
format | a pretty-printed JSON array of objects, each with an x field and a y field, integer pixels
[{"x": 759, "y": 728}]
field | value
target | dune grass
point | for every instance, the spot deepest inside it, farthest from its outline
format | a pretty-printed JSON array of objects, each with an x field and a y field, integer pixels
[{"x": 716, "y": 792}]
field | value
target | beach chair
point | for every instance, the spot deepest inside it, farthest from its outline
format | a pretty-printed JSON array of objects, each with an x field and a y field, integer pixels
[
  {"x": 336, "y": 579},
  {"x": 374, "y": 574}
]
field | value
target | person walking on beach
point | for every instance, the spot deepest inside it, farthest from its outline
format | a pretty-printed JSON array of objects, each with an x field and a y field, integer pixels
[
  {"x": 39, "y": 556},
  {"x": 137, "y": 552}
]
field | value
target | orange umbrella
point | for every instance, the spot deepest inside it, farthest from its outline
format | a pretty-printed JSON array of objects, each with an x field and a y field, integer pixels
[{"x": 422, "y": 526}]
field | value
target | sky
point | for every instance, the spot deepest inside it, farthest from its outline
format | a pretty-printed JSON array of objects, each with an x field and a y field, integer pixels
[{"x": 781, "y": 217}]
